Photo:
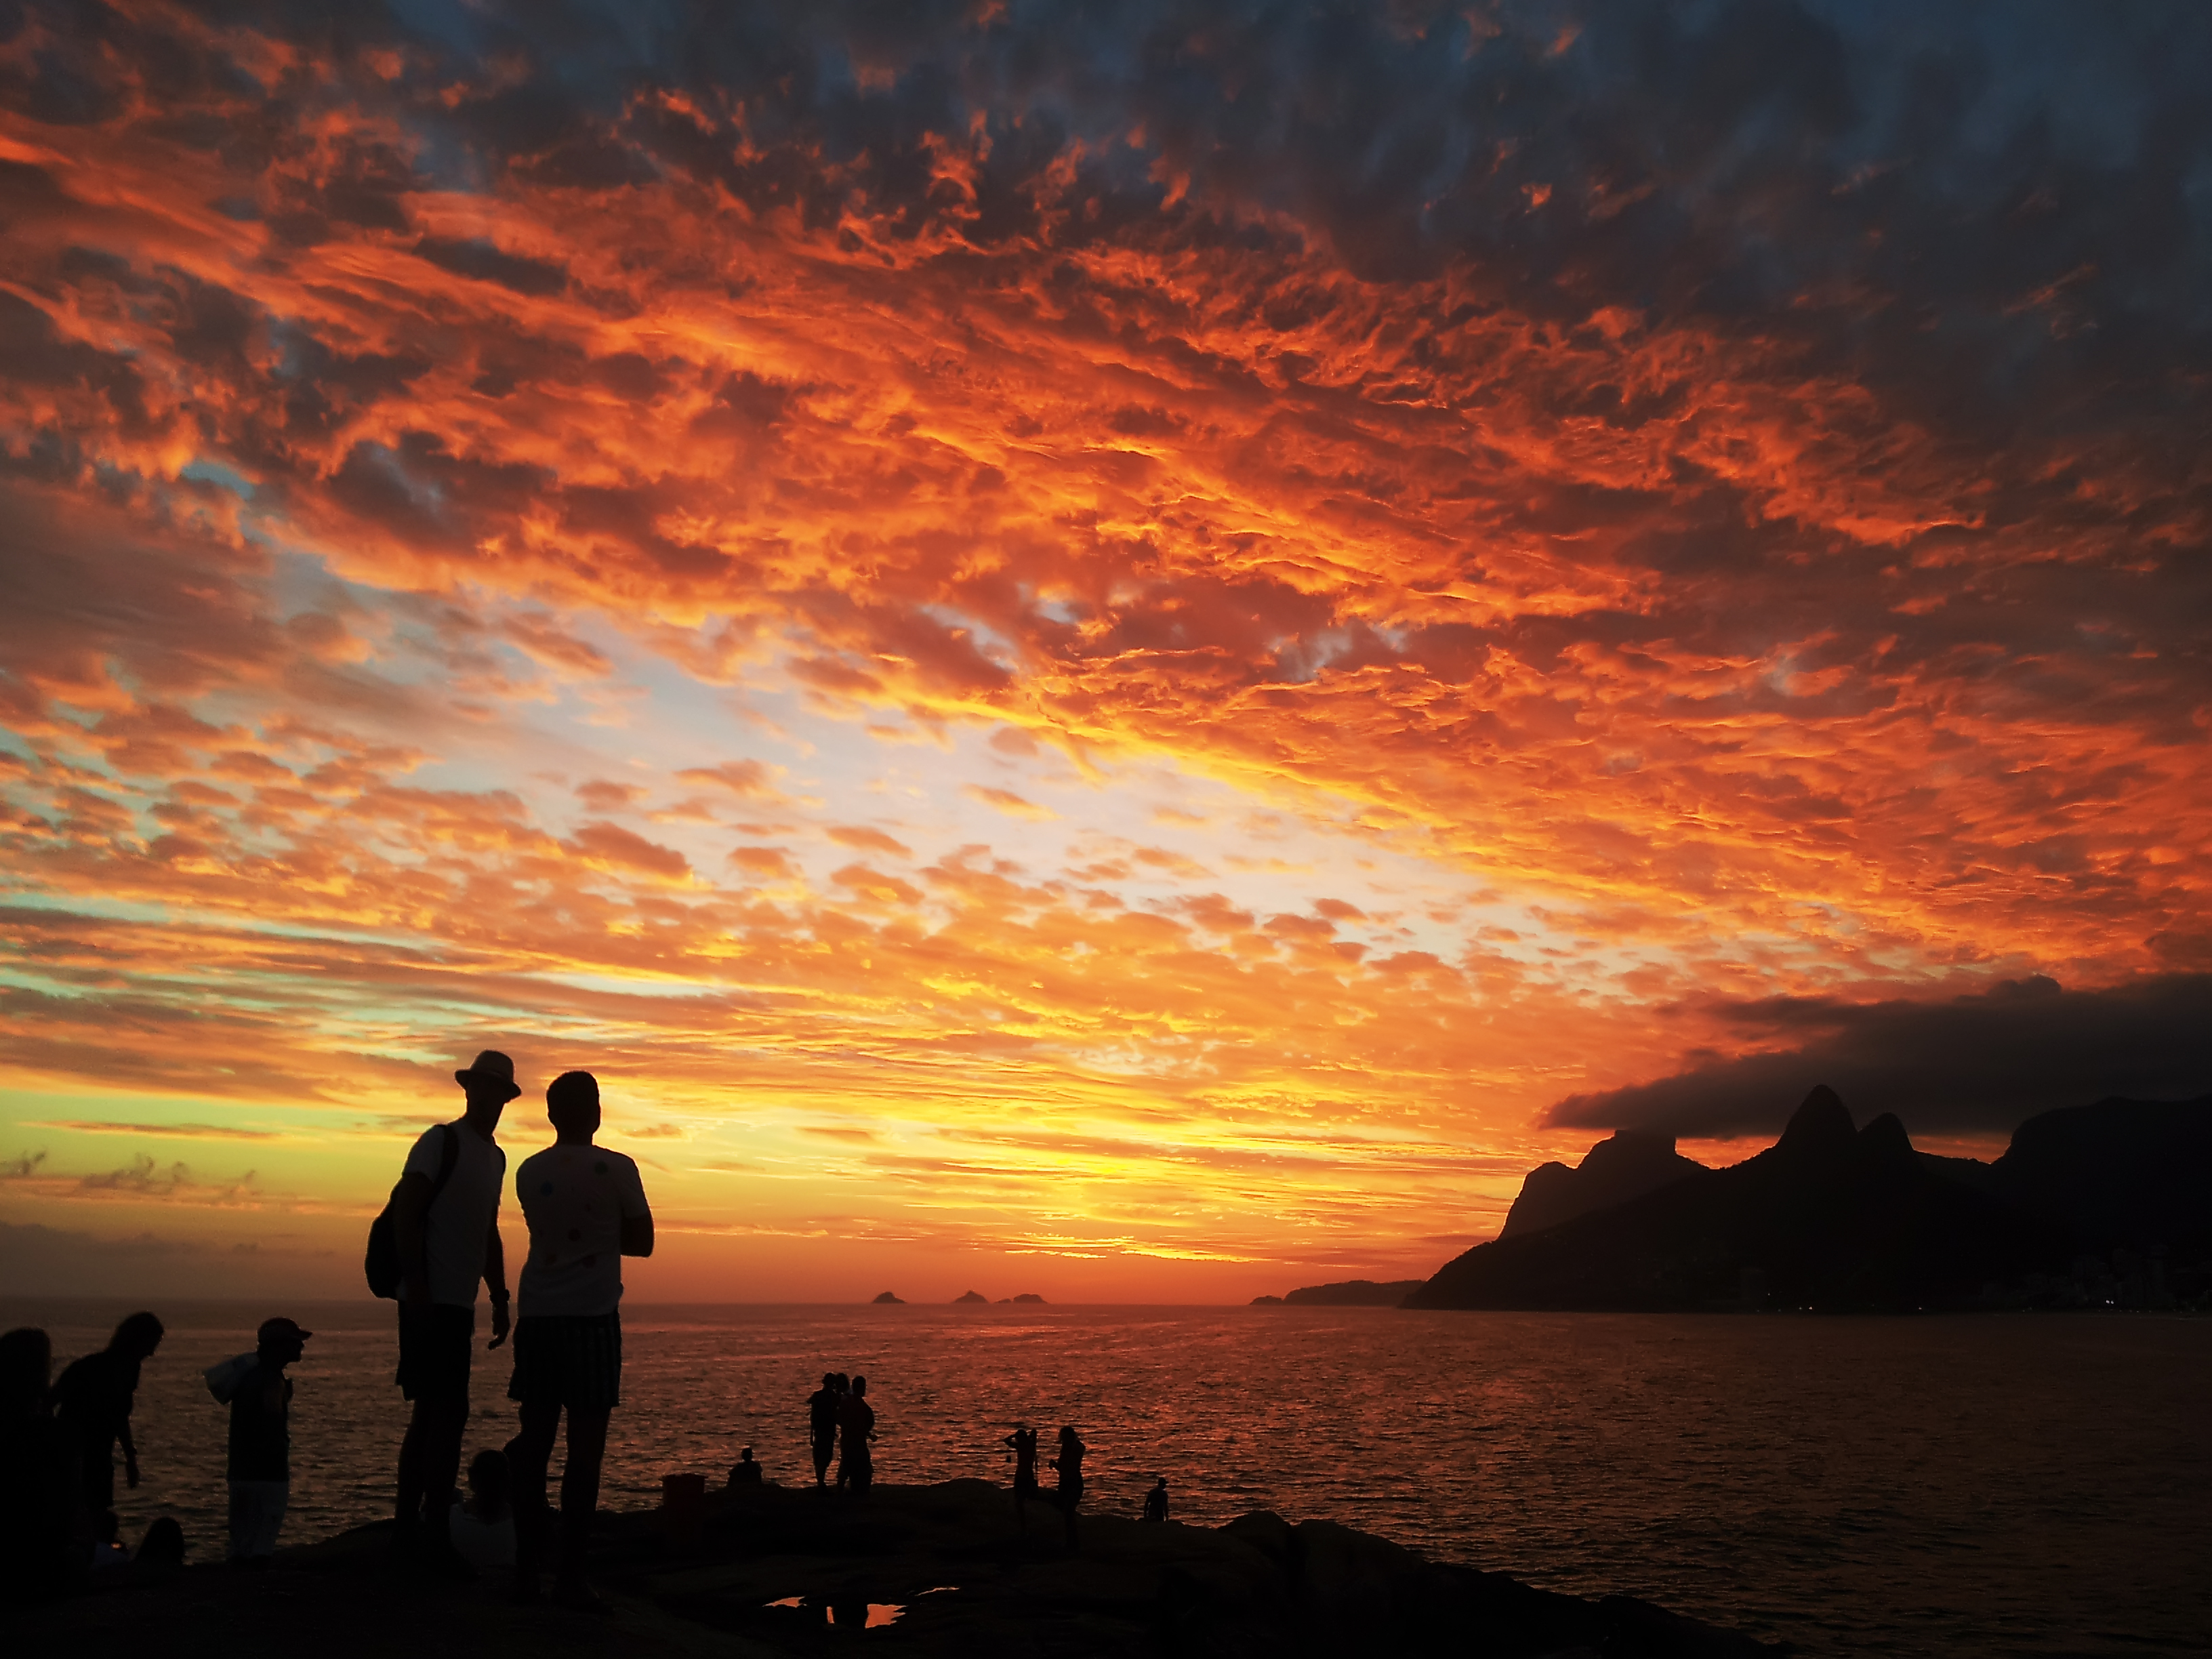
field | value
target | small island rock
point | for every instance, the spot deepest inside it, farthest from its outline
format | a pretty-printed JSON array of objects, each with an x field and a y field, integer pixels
[{"x": 889, "y": 1300}]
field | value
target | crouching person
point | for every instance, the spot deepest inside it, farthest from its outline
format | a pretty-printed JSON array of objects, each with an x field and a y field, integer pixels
[{"x": 586, "y": 1210}]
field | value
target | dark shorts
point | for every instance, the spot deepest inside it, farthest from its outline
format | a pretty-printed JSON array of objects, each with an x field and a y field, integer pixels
[
  {"x": 434, "y": 1340},
  {"x": 571, "y": 1360}
]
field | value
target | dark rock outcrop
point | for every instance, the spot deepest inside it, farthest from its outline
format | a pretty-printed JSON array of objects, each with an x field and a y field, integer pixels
[
  {"x": 1030, "y": 1296},
  {"x": 1354, "y": 1293},
  {"x": 1627, "y": 1164},
  {"x": 931, "y": 1571},
  {"x": 1827, "y": 1217},
  {"x": 886, "y": 1299},
  {"x": 970, "y": 1296}
]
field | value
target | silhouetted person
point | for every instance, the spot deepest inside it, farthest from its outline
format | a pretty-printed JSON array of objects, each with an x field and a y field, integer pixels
[
  {"x": 744, "y": 1472},
  {"x": 843, "y": 1384},
  {"x": 1024, "y": 1440},
  {"x": 260, "y": 1466},
  {"x": 586, "y": 1210},
  {"x": 161, "y": 1549},
  {"x": 1155, "y": 1500},
  {"x": 822, "y": 1425},
  {"x": 483, "y": 1522},
  {"x": 445, "y": 1214},
  {"x": 856, "y": 1424},
  {"x": 1069, "y": 1493},
  {"x": 92, "y": 1406},
  {"x": 45, "y": 1540}
]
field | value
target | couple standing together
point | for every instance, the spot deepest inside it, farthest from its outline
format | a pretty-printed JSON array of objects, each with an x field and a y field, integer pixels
[{"x": 585, "y": 1208}]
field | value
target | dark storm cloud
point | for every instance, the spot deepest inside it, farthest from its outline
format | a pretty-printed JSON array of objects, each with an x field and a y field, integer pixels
[{"x": 1972, "y": 1064}]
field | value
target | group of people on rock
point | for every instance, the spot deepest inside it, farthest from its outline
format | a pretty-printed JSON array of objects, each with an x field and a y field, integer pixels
[
  {"x": 585, "y": 1208},
  {"x": 841, "y": 1424},
  {"x": 1067, "y": 1493}
]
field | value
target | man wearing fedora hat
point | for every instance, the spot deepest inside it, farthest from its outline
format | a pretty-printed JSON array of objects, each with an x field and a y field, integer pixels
[{"x": 446, "y": 1223}]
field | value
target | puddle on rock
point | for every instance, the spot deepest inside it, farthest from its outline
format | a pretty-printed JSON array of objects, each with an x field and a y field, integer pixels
[{"x": 860, "y": 1615}]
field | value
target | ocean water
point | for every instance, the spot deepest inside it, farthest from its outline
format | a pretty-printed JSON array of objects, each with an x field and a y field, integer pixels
[{"x": 1996, "y": 1485}]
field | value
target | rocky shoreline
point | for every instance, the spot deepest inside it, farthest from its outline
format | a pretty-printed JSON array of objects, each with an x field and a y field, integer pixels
[{"x": 924, "y": 1571}]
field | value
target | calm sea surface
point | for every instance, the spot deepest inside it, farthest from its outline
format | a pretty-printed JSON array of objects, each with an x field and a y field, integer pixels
[{"x": 2030, "y": 1485}]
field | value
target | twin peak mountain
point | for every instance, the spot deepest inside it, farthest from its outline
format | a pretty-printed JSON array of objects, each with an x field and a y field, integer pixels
[{"x": 2088, "y": 1205}]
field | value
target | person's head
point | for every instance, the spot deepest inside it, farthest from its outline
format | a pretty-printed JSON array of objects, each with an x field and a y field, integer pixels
[
  {"x": 1068, "y": 1433},
  {"x": 1160, "y": 1484},
  {"x": 137, "y": 1336},
  {"x": 841, "y": 1383},
  {"x": 26, "y": 1363},
  {"x": 572, "y": 1101},
  {"x": 488, "y": 1483},
  {"x": 745, "y": 1454},
  {"x": 280, "y": 1341},
  {"x": 829, "y": 1379},
  {"x": 490, "y": 1085},
  {"x": 859, "y": 1388}
]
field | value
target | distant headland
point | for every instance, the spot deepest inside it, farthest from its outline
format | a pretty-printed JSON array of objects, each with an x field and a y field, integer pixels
[{"x": 2107, "y": 1205}]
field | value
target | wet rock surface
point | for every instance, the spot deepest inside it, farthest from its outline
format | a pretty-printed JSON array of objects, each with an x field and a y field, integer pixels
[{"x": 940, "y": 1570}]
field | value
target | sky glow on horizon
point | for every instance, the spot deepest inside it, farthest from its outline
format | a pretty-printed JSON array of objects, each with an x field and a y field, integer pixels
[{"x": 1096, "y": 651}]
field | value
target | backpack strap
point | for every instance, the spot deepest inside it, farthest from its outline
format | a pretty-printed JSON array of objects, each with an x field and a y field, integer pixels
[{"x": 446, "y": 1160}]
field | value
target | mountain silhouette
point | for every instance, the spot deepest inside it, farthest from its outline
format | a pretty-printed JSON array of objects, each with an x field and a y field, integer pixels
[
  {"x": 2122, "y": 1173},
  {"x": 1831, "y": 1217},
  {"x": 1354, "y": 1293},
  {"x": 1628, "y": 1164}
]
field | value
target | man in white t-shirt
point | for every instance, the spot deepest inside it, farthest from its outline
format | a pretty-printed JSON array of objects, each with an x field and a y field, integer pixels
[
  {"x": 445, "y": 1214},
  {"x": 586, "y": 1210}
]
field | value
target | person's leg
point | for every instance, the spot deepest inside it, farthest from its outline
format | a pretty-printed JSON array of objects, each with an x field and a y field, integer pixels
[
  {"x": 579, "y": 1485},
  {"x": 447, "y": 1421},
  {"x": 275, "y": 1501},
  {"x": 241, "y": 1521},
  {"x": 97, "y": 1470},
  {"x": 527, "y": 1455}
]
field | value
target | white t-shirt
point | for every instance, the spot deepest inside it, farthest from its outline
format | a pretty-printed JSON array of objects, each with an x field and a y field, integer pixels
[
  {"x": 482, "y": 1543},
  {"x": 575, "y": 1199},
  {"x": 460, "y": 1217}
]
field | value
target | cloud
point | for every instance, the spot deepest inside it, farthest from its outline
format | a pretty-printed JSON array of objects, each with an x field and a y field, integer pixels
[
  {"x": 863, "y": 840},
  {"x": 1004, "y": 800},
  {"x": 610, "y": 843},
  {"x": 746, "y": 779},
  {"x": 159, "y": 1131},
  {"x": 1976, "y": 1063},
  {"x": 1697, "y": 509}
]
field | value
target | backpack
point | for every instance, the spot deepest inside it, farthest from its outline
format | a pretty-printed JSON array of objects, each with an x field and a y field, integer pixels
[{"x": 381, "y": 1263}]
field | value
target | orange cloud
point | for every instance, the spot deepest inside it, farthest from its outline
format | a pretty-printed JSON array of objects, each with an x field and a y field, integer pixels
[{"x": 378, "y": 462}]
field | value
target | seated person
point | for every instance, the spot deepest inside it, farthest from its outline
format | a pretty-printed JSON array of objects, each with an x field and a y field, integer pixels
[
  {"x": 744, "y": 1472},
  {"x": 483, "y": 1523}
]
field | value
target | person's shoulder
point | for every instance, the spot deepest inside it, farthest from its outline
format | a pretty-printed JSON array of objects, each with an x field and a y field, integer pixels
[
  {"x": 534, "y": 1160},
  {"x": 78, "y": 1372},
  {"x": 619, "y": 1162}
]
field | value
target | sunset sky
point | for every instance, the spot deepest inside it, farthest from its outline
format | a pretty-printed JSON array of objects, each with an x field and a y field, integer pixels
[{"x": 1127, "y": 650}]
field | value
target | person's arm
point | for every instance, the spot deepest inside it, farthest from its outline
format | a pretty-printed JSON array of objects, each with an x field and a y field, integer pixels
[
  {"x": 130, "y": 1451},
  {"x": 494, "y": 1274},
  {"x": 410, "y": 1231},
  {"x": 638, "y": 1225}
]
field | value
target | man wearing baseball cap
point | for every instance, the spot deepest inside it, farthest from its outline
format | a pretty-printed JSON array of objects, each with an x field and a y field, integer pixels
[
  {"x": 445, "y": 1214},
  {"x": 260, "y": 1467}
]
